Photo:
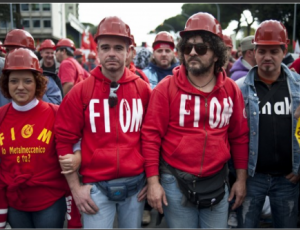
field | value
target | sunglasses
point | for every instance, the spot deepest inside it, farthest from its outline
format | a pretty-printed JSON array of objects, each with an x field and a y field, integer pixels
[
  {"x": 200, "y": 48},
  {"x": 113, "y": 98}
]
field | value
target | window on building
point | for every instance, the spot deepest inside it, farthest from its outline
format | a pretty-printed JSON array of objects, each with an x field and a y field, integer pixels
[
  {"x": 35, "y": 7},
  {"x": 26, "y": 23},
  {"x": 3, "y": 24},
  {"x": 47, "y": 23},
  {"x": 46, "y": 7},
  {"x": 24, "y": 7},
  {"x": 36, "y": 23},
  {"x": 70, "y": 7}
]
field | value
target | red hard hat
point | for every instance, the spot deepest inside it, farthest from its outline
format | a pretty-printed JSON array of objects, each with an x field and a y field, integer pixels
[
  {"x": 65, "y": 42},
  {"x": 203, "y": 21},
  {"x": 132, "y": 40},
  {"x": 271, "y": 32},
  {"x": 164, "y": 36},
  {"x": 22, "y": 59},
  {"x": 19, "y": 38},
  {"x": 92, "y": 55},
  {"x": 227, "y": 41},
  {"x": 113, "y": 26},
  {"x": 78, "y": 52},
  {"x": 47, "y": 44}
]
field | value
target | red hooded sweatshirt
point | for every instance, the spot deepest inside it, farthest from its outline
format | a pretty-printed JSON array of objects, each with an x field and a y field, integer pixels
[
  {"x": 110, "y": 144},
  {"x": 195, "y": 132}
]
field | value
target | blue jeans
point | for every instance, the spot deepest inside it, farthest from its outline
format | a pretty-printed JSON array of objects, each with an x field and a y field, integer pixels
[
  {"x": 179, "y": 216},
  {"x": 283, "y": 201},
  {"x": 51, "y": 217},
  {"x": 129, "y": 211}
]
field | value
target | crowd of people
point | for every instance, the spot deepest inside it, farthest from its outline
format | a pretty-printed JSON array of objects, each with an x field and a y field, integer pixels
[{"x": 202, "y": 134}]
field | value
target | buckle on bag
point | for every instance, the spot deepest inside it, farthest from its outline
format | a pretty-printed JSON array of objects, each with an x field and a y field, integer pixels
[{"x": 116, "y": 193}]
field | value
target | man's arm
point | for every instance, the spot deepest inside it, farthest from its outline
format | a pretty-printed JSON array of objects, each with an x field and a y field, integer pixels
[
  {"x": 67, "y": 87},
  {"x": 239, "y": 188},
  {"x": 53, "y": 93},
  {"x": 81, "y": 194}
]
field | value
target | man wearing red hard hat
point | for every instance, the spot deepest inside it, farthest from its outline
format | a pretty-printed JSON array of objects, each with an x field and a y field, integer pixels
[
  {"x": 163, "y": 59},
  {"x": 194, "y": 124},
  {"x": 48, "y": 61},
  {"x": 108, "y": 124},
  {"x": 271, "y": 94},
  {"x": 70, "y": 71}
]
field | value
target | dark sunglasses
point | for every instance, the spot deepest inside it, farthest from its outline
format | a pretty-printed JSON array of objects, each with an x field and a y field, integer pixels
[
  {"x": 113, "y": 98},
  {"x": 200, "y": 48}
]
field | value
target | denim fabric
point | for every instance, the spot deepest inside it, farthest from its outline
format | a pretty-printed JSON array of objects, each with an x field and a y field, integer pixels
[
  {"x": 283, "y": 200},
  {"x": 51, "y": 217},
  {"x": 129, "y": 212},
  {"x": 179, "y": 216},
  {"x": 252, "y": 110}
]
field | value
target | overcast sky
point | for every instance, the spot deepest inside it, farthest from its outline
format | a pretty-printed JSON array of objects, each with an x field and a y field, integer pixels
[{"x": 141, "y": 17}]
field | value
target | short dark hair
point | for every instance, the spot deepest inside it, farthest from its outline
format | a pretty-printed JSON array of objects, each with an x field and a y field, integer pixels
[
  {"x": 216, "y": 44},
  {"x": 41, "y": 84},
  {"x": 68, "y": 52}
]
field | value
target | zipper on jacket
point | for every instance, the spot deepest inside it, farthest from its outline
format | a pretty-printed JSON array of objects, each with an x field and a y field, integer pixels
[
  {"x": 205, "y": 141},
  {"x": 203, "y": 153},
  {"x": 117, "y": 141}
]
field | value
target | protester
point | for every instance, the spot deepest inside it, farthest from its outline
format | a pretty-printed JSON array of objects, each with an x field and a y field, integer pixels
[
  {"x": 163, "y": 58},
  {"x": 32, "y": 189},
  {"x": 142, "y": 58},
  {"x": 105, "y": 111},
  {"x": 270, "y": 92},
  {"x": 70, "y": 71},
  {"x": 242, "y": 66},
  {"x": 91, "y": 63},
  {"x": 129, "y": 61},
  {"x": 20, "y": 38},
  {"x": 196, "y": 114},
  {"x": 229, "y": 62},
  {"x": 48, "y": 61}
]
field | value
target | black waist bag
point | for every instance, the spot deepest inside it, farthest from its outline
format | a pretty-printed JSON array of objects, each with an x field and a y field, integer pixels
[{"x": 204, "y": 192}]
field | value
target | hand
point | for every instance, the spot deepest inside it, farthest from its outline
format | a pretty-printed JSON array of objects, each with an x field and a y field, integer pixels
[
  {"x": 142, "y": 194},
  {"x": 83, "y": 199},
  {"x": 70, "y": 162},
  {"x": 293, "y": 69},
  {"x": 293, "y": 178},
  {"x": 239, "y": 191},
  {"x": 156, "y": 195}
]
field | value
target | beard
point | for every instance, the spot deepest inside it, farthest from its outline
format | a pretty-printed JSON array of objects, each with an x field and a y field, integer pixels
[{"x": 202, "y": 69}]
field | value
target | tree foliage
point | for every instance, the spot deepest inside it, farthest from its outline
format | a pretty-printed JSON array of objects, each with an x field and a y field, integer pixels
[{"x": 234, "y": 12}]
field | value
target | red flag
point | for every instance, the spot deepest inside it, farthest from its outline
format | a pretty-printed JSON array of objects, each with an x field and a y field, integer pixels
[
  {"x": 85, "y": 42},
  {"x": 93, "y": 45}
]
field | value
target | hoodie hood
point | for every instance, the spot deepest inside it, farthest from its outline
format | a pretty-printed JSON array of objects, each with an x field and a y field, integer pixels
[
  {"x": 183, "y": 83},
  {"x": 126, "y": 77}
]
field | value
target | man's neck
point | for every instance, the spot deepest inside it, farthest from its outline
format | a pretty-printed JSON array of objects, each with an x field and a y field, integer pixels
[
  {"x": 269, "y": 76},
  {"x": 204, "y": 82},
  {"x": 113, "y": 76}
]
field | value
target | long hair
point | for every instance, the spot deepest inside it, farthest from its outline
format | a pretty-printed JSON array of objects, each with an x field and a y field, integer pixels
[{"x": 216, "y": 44}]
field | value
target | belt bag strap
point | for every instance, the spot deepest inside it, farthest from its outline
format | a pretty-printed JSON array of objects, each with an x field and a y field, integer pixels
[{"x": 120, "y": 189}]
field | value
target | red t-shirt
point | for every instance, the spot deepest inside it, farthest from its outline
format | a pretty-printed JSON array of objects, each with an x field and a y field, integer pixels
[{"x": 30, "y": 178}]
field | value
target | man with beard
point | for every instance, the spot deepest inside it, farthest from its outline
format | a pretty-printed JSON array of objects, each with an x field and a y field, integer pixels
[
  {"x": 163, "y": 58},
  {"x": 193, "y": 125},
  {"x": 271, "y": 93}
]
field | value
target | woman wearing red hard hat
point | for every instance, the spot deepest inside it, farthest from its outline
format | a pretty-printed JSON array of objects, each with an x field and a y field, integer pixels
[{"x": 32, "y": 189}]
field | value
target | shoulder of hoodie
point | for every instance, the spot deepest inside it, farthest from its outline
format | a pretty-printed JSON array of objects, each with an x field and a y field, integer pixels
[{"x": 230, "y": 83}]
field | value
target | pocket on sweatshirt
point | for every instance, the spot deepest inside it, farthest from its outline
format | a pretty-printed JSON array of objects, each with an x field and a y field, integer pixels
[
  {"x": 103, "y": 158},
  {"x": 131, "y": 161}
]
